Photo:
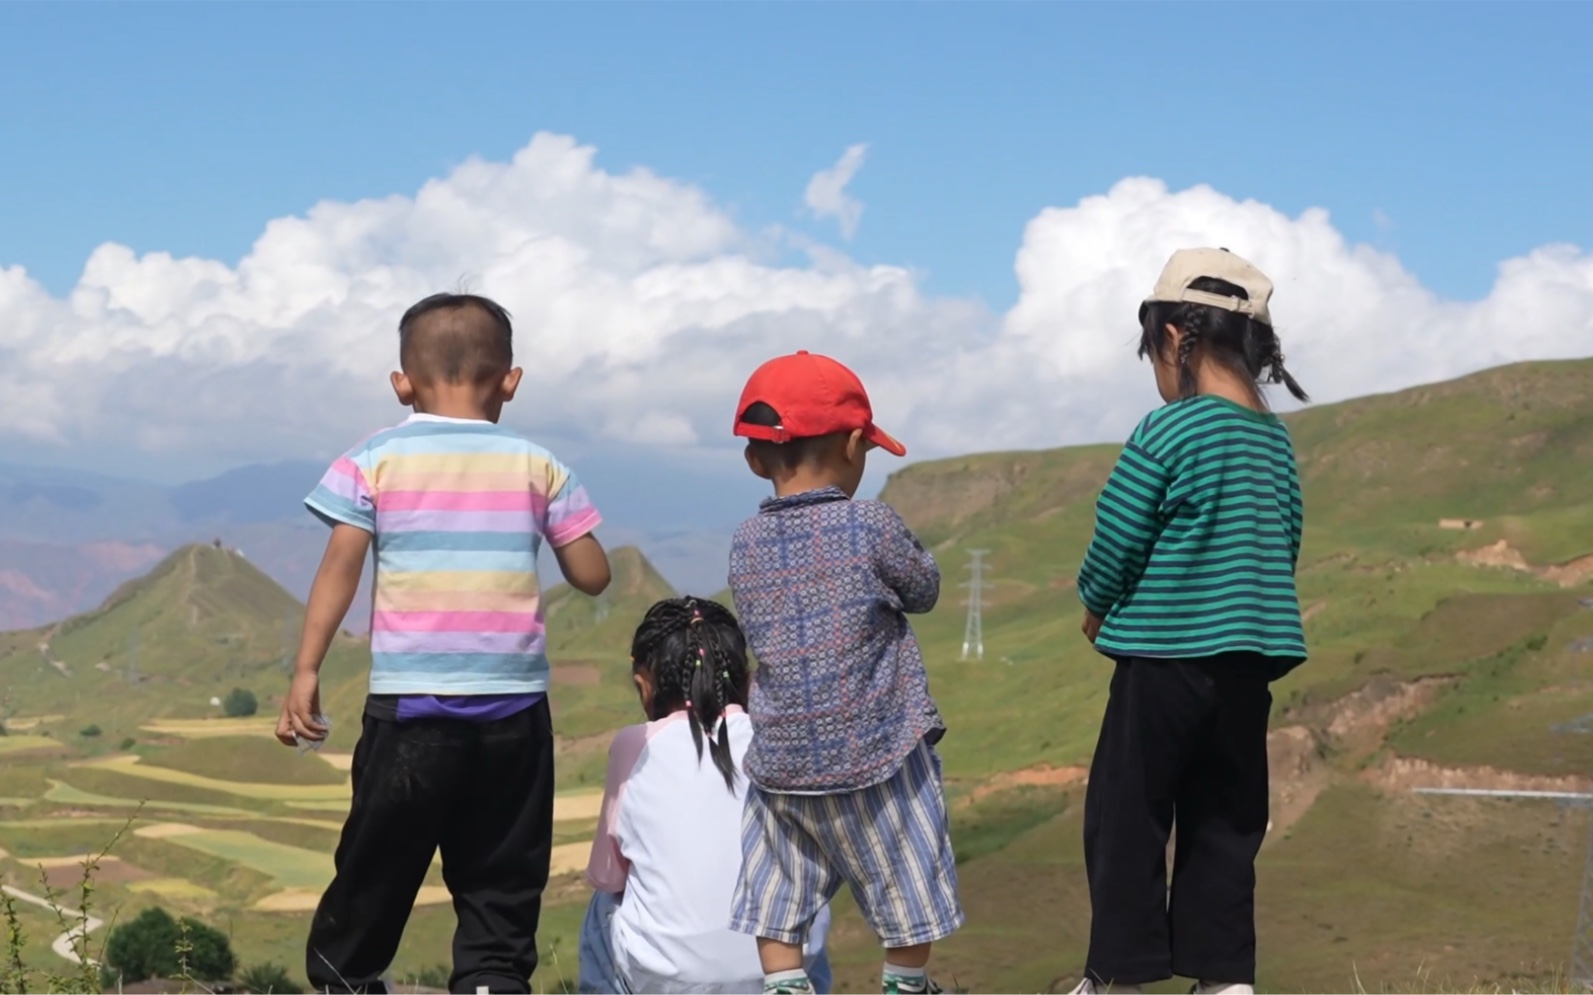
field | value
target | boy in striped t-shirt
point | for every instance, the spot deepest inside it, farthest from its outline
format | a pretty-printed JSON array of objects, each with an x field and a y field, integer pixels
[
  {"x": 456, "y": 746},
  {"x": 1189, "y": 587}
]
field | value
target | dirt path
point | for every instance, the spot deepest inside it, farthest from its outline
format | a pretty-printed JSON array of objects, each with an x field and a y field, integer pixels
[{"x": 63, "y": 945}]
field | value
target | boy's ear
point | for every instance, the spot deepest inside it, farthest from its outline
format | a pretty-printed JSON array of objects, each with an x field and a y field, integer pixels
[
  {"x": 510, "y": 384},
  {"x": 856, "y": 446},
  {"x": 404, "y": 388},
  {"x": 756, "y": 465}
]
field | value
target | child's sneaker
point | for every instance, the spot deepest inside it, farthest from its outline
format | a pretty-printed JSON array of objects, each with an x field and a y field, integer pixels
[
  {"x": 897, "y": 985},
  {"x": 1089, "y": 987},
  {"x": 1218, "y": 988},
  {"x": 794, "y": 984}
]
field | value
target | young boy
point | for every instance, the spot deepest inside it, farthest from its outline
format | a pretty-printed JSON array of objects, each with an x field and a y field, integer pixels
[
  {"x": 845, "y": 782},
  {"x": 456, "y": 747}
]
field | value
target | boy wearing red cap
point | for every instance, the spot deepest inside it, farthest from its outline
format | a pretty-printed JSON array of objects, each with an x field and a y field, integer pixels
[{"x": 845, "y": 781}]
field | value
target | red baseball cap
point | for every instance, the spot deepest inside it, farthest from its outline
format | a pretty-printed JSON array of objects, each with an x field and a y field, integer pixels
[{"x": 814, "y": 395}]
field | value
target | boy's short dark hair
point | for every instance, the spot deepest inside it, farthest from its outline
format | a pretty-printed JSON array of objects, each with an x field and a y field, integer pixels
[
  {"x": 782, "y": 456},
  {"x": 456, "y": 338}
]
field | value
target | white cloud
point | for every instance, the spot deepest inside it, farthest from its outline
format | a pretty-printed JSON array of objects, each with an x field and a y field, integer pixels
[
  {"x": 640, "y": 307},
  {"x": 826, "y": 194}
]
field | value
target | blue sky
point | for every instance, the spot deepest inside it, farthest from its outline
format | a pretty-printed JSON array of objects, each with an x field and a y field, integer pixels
[
  {"x": 316, "y": 167},
  {"x": 185, "y": 127}
]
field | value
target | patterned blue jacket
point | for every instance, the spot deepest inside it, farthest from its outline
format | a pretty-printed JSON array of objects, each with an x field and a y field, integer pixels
[{"x": 840, "y": 696}]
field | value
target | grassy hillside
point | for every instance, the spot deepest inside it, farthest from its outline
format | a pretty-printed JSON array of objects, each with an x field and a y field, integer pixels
[{"x": 1448, "y": 613}]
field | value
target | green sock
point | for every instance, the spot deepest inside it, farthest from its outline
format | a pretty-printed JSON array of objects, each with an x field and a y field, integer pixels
[{"x": 787, "y": 981}]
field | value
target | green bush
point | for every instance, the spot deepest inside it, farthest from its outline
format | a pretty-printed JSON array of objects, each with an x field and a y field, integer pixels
[
  {"x": 268, "y": 979},
  {"x": 153, "y": 945},
  {"x": 89, "y": 732},
  {"x": 240, "y": 704},
  {"x": 129, "y": 743}
]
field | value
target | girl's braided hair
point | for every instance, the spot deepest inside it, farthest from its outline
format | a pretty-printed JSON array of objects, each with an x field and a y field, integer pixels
[
  {"x": 1245, "y": 345},
  {"x": 697, "y": 656}
]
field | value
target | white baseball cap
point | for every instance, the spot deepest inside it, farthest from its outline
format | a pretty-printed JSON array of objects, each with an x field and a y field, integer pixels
[{"x": 1188, "y": 265}]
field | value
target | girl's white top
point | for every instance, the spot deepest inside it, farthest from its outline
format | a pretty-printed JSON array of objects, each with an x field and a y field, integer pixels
[{"x": 669, "y": 839}]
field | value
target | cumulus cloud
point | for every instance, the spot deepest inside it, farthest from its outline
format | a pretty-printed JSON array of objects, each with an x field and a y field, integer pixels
[
  {"x": 640, "y": 307},
  {"x": 827, "y": 196}
]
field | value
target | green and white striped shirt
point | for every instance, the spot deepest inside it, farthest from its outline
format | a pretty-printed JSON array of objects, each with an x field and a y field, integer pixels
[{"x": 1197, "y": 536}]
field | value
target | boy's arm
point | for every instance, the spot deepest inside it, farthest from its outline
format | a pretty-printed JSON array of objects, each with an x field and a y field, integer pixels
[
  {"x": 1127, "y": 522},
  {"x": 584, "y": 564},
  {"x": 906, "y": 566},
  {"x": 336, "y": 582},
  {"x": 568, "y": 526}
]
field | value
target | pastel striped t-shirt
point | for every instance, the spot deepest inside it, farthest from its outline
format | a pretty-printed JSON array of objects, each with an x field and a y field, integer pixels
[{"x": 458, "y": 510}]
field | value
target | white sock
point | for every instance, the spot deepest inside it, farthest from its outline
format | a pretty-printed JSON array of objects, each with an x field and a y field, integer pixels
[
  {"x": 916, "y": 975},
  {"x": 1224, "y": 988}
]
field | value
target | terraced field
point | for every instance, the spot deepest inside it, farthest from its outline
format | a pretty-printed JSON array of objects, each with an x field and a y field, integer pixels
[{"x": 1449, "y": 595}]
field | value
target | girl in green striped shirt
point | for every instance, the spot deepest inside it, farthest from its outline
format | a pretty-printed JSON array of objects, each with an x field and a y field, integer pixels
[{"x": 1189, "y": 586}]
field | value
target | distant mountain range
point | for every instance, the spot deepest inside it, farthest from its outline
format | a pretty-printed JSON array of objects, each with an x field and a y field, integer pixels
[{"x": 69, "y": 537}]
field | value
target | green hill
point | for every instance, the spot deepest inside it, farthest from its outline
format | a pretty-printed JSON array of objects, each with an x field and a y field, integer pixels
[
  {"x": 202, "y": 621},
  {"x": 578, "y": 623},
  {"x": 1445, "y": 578}
]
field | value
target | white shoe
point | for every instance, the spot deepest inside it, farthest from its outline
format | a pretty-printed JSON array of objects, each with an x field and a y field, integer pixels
[
  {"x": 1088, "y": 987},
  {"x": 1218, "y": 988}
]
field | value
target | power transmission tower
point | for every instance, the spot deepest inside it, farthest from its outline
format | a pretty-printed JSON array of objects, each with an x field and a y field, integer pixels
[
  {"x": 1582, "y": 943},
  {"x": 973, "y": 633}
]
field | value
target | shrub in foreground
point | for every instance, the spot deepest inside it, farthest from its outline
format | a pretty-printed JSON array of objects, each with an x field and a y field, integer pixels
[{"x": 154, "y": 945}]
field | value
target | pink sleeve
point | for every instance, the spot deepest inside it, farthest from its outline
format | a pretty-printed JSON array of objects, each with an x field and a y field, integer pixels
[{"x": 607, "y": 869}]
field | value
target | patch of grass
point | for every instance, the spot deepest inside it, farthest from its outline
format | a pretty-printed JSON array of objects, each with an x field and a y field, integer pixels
[
  {"x": 254, "y": 759},
  {"x": 287, "y": 866},
  {"x": 992, "y": 824}
]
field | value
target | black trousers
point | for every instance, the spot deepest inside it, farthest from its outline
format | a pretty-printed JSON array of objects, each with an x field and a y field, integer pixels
[
  {"x": 1183, "y": 742},
  {"x": 483, "y": 793}
]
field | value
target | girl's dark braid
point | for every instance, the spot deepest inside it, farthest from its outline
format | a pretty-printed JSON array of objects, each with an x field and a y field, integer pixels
[
  {"x": 1194, "y": 332},
  {"x": 697, "y": 656}
]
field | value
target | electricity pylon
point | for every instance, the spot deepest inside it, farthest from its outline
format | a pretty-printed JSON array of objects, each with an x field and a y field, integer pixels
[{"x": 973, "y": 633}]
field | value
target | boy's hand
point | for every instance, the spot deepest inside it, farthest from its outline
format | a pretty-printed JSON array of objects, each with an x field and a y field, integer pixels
[
  {"x": 299, "y": 709},
  {"x": 1092, "y": 625}
]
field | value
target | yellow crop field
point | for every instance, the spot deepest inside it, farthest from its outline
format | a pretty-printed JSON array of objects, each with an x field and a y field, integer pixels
[
  {"x": 341, "y": 806},
  {"x": 65, "y": 794},
  {"x": 21, "y": 744},
  {"x": 126, "y": 764},
  {"x": 22, "y": 723},
  {"x": 173, "y": 888},
  {"x": 207, "y": 728},
  {"x": 577, "y": 807},
  {"x": 569, "y": 859}
]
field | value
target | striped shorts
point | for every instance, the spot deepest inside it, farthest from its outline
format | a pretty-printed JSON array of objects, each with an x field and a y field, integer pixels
[{"x": 891, "y": 843}]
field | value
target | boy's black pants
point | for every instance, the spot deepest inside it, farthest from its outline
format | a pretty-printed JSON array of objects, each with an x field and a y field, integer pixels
[
  {"x": 1185, "y": 742},
  {"x": 483, "y": 793}
]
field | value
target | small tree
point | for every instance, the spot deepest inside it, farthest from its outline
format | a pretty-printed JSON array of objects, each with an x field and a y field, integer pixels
[
  {"x": 89, "y": 732},
  {"x": 154, "y": 945},
  {"x": 241, "y": 703}
]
